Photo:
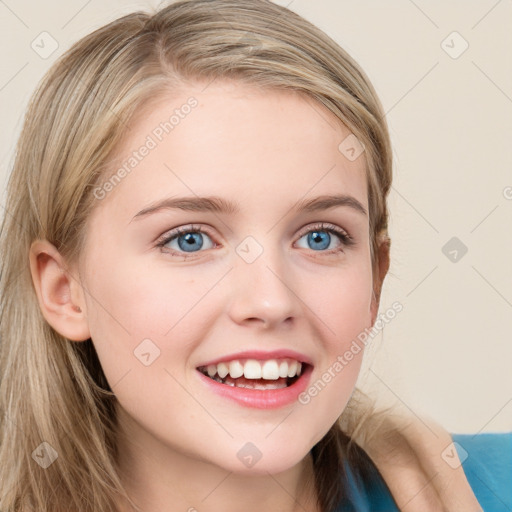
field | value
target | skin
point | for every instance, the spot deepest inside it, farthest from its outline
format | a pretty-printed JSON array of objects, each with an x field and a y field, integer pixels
[{"x": 266, "y": 151}]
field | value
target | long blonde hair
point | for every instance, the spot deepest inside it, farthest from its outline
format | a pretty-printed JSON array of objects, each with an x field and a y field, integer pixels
[{"x": 53, "y": 390}]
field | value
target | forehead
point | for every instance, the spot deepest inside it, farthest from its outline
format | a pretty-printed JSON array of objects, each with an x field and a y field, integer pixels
[{"x": 255, "y": 146}]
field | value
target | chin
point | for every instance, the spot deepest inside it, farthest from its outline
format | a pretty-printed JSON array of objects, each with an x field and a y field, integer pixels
[
  {"x": 262, "y": 458},
  {"x": 268, "y": 465}
]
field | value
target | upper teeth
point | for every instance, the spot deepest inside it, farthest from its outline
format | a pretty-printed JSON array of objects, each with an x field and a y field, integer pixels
[{"x": 271, "y": 369}]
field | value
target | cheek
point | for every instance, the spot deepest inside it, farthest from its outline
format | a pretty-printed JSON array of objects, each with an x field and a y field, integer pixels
[
  {"x": 349, "y": 314},
  {"x": 126, "y": 317},
  {"x": 147, "y": 315},
  {"x": 142, "y": 300},
  {"x": 142, "y": 326},
  {"x": 341, "y": 300},
  {"x": 342, "y": 305}
]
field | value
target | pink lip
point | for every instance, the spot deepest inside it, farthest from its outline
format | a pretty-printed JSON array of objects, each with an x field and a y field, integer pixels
[
  {"x": 259, "y": 355},
  {"x": 260, "y": 398}
]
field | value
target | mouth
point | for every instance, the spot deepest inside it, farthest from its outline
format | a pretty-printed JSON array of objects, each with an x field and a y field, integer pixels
[{"x": 270, "y": 374}]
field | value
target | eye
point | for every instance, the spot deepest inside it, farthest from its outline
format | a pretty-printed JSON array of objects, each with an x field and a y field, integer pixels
[
  {"x": 319, "y": 238},
  {"x": 185, "y": 240}
]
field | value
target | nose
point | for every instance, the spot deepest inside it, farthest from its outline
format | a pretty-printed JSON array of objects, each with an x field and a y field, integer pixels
[{"x": 262, "y": 292}]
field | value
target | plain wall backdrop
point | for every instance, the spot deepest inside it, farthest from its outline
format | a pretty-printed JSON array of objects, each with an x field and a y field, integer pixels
[{"x": 443, "y": 72}]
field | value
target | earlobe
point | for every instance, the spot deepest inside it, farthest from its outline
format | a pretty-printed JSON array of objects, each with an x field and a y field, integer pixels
[{"x": 59, "y": 293}]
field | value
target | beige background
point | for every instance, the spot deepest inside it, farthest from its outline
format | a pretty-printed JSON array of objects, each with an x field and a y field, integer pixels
[{"x": 448, "y": 354}]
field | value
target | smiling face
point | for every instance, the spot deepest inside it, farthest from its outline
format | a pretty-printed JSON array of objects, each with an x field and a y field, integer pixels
[{"x": 253, "y": 283}]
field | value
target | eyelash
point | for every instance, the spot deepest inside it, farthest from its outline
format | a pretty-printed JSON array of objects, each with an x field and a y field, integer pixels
[{"x": 346, "y": 239}]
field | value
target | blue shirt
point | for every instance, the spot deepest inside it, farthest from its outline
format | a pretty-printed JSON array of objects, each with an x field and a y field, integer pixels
[{"x": 487, "y": 462}]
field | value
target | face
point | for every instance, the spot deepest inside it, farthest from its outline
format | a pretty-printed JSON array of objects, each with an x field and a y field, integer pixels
[{"x": 254, "y": 283}]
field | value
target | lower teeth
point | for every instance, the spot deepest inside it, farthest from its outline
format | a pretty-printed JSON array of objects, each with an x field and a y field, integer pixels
[{"x": 256, "y": 384}]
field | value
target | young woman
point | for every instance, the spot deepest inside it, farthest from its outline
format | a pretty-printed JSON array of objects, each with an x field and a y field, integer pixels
[{"x": 195, "y": 242}]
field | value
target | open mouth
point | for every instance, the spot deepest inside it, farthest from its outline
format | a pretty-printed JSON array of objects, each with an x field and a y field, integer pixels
[{"x": 254, "y": 374}]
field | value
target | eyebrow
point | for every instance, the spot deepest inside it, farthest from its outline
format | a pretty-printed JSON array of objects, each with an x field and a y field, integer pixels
[{"x": 219, "y": 205}]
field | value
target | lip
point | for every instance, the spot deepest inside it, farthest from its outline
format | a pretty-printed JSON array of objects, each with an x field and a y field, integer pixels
[
  {"x": 260, "y": 398},
  {"x": 260, "y": 355}
]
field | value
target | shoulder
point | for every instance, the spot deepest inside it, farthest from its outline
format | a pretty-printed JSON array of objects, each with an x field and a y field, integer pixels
[{"x": 487, "y": 462}]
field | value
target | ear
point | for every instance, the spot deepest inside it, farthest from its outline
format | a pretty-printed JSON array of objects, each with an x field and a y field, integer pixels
[
  {"x": 383, "y": 254},
  {"x": 59, "y": 293}
]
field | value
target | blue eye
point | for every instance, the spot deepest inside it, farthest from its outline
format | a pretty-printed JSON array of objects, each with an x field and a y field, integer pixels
[
  {"x": 320, "y": 237},
  {"x": 185, "y": 241},
  {"x": 188, "y": 240}
]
